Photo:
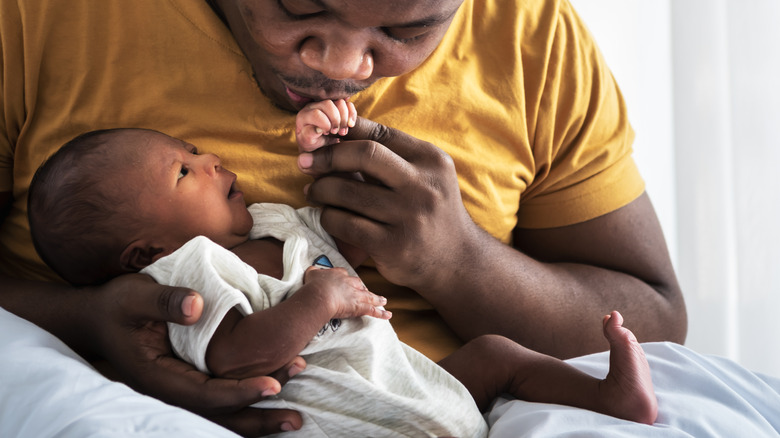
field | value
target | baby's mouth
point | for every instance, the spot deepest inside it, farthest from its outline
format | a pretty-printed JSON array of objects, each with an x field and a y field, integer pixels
[{"x": 233, "y": 192}]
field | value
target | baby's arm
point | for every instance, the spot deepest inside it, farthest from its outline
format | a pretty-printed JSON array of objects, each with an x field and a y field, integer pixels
[
  {"x": 262, "y": 342},
  {"x": 317, "y": 122}
]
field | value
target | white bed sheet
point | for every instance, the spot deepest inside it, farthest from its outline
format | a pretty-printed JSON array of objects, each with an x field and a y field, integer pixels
[{"x": 46, "y": 390}]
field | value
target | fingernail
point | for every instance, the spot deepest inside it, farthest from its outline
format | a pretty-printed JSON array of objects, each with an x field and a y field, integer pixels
[
  {"x": 286, "y": 427},
  {"x": 186, "y": 305},
  {"x": 318, "y": 130},
  {"x": 306, "y": 189},
  {"x": 269, "y": 392},
  {"x": 351, "y": 122},
  {"x": 294, "y": 370},
  {"x": 305, "y": 160}
]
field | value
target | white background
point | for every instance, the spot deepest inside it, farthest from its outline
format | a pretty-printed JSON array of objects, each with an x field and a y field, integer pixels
[{"x": 700, "y": 78}]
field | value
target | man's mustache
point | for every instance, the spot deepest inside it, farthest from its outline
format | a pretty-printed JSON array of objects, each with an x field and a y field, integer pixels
[{"x": 321, "y": 82}]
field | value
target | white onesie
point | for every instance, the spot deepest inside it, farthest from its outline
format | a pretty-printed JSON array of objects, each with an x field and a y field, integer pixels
[{"x": 360, "y": 380}]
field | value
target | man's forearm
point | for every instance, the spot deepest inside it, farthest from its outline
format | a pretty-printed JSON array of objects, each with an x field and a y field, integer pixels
[
  {"x": 554, "y": 308},
  {"x": 551, "y": 294},
  {"x": 58, "y": 308}
]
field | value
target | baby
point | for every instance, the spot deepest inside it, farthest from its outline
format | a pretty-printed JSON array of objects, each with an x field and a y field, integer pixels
[{"x": 275, "y": 285}]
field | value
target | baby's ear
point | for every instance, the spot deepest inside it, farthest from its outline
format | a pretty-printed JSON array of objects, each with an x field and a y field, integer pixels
[{"x": 139, "y": 255}]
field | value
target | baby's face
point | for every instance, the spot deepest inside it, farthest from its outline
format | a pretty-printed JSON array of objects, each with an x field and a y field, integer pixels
[{"x": 183, "y": 195}]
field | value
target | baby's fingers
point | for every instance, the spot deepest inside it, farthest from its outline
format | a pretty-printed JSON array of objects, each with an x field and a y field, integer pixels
[
  {"x": 318, "y": 120},
  {"x": 347, "y": 117},
  {"x": 374, "y": 306},
  {"x": 378, "y": 312}
]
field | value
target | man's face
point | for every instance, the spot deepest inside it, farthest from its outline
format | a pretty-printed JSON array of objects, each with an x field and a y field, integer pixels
[{"x": 304, "y": 50}]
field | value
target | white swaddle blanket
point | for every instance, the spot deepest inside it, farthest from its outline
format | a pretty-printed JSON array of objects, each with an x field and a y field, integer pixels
[{"x": 360, "y": 379}]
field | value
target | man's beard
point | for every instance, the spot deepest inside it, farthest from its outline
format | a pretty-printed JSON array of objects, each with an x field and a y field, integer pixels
[{"x": 321, "y": 82}]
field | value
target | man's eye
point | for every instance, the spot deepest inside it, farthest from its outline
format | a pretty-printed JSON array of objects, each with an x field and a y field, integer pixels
[
  {"x": 406, "y": 35},
  {"x": 296, "y": 11},
  {"x": 182, "y": 172}
]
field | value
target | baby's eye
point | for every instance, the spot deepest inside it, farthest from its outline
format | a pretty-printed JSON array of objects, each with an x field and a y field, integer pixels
[{"x": 182, "y": 172}]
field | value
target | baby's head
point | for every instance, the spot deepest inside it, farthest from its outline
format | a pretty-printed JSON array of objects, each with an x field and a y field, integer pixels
[{"x": 113, "y": 201}]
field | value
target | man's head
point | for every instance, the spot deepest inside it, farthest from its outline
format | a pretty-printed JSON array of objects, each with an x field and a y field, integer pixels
[
  {"x": 113, "y": 201},
  {"x": 303, "y": 50}
]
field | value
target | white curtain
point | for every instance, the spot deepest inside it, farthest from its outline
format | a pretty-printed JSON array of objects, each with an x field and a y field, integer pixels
[{"x": 702, "y": 81}]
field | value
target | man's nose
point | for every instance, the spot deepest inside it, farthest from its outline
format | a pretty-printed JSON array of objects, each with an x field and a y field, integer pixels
[{"x": 338, "y": 56}]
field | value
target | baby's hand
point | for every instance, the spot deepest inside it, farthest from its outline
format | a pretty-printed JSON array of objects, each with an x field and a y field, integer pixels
[
  {"x": 346, "y": 295},
  {"x": 317, "y": 122}
]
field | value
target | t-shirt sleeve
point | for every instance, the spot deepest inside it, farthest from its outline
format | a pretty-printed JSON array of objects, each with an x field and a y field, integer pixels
[
  {"x": 11, "y": 93},
  {"x": 583, "y": 139}
]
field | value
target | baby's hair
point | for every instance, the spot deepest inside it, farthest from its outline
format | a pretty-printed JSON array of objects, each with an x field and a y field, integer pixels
[{"x": 75, "y": 205}]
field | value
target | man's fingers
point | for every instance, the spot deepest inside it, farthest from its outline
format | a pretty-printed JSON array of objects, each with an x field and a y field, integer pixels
[
  {"x": 224, "y": 401},
  {"x": 380, "y": 154},
  {"x": 397, "y": 141},
  {"x": 179, "y": 383},
  {"x": 375, "y": 202},
  {"x": 373, "y": 160},
  {"x": 285, "y": 373},
  {"x": 357, "y": 229},
  {"x": 252, "y": 422},
  {"x": 366, "y": 129},
  {"x": 143, "y": 299}
]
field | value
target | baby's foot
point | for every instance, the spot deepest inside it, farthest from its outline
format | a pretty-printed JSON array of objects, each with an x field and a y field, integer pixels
[{"x": 627, "y": 392}]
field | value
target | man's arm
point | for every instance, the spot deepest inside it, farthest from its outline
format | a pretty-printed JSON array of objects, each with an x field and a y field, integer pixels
[
  {"x": 549, "y": 293},
  {"x": 124, "y": 322},
  {"x": 550, "y": 297}
]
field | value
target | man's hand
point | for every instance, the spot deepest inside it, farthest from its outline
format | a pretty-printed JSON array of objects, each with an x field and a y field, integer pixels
[
  {"x": 408, "y": 215},
  {"x": 134, "y": 339}
]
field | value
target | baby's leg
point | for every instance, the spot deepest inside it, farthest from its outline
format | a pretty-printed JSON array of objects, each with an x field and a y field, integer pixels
[{"x": 491, "y": 365}]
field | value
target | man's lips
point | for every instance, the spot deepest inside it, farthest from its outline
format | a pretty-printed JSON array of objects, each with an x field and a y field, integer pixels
[
  {"x": 297, "y": 98},
  {"x": 301, "y": 98}
]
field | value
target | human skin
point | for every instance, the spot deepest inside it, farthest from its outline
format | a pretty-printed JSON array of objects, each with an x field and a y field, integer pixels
[
  {"x": 182, "y": 194},
  {"x": 553, "y": 278},
  {"x": 306, "y": 50}
]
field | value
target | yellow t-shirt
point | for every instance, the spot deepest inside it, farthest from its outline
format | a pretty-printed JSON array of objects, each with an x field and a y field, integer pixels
[{"x": 517, "y": 94}]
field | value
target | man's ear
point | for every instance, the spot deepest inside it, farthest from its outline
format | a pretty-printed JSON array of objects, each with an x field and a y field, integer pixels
[{"x": 139, "y": 254}]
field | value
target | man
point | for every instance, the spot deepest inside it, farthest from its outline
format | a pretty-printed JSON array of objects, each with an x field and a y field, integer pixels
[{"x": 544, "y": 225}]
